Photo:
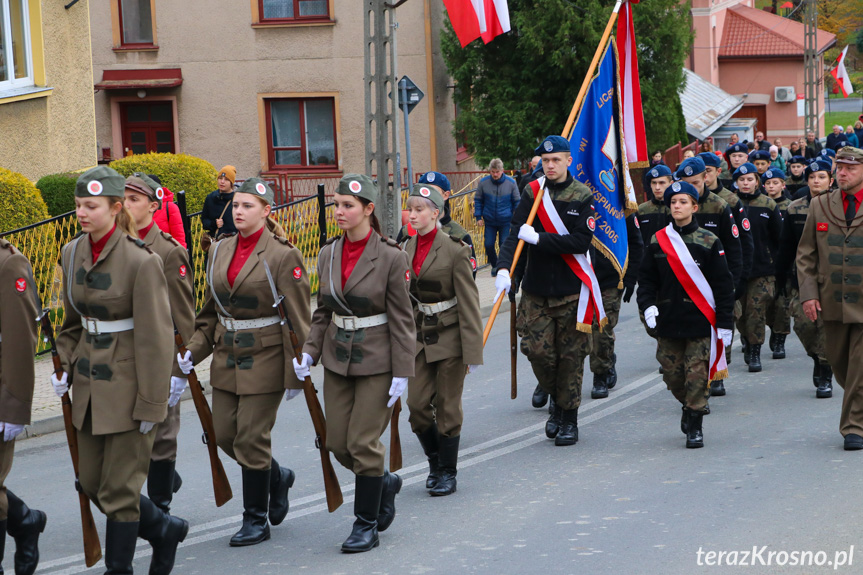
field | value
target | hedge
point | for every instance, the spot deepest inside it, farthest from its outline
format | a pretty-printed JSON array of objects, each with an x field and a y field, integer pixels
[
  {"x": 20, "y": 202},
  {"x": 58, "y": 191},
  {"x": 176, "y": 171}
]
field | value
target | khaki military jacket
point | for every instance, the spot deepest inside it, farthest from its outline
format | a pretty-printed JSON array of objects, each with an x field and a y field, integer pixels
[
  {"x": 18, "y": 312},
  {"x": 123, "y": 377},
  {"x": 181, "y": 288},
  {"x": 258, "y": 360},
  {"x": 446, "y": 273},
  {"x": 830, "y": 260},
  {"x": 378, "y": 284}
]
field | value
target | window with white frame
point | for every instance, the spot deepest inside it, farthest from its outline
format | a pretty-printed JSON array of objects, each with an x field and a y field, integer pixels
[{"x": 16, "y": 66}]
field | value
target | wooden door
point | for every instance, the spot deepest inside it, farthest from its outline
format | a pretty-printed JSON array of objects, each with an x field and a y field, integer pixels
[
  {"x": 757, "y": 111},
  {"x": 147, "y": 127}
]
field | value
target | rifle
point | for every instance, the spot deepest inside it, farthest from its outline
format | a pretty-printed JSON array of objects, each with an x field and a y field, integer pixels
[
  {"x": 221, "y": 485},
  {"x": 395, "y": 439},
  {"x": 331, "y": 482},
  {"x": 92, "y": 547},
  {"x": 513, "y": 348}
]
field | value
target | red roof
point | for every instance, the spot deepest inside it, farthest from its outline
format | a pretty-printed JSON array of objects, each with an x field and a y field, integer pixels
[
  {"x": 140, "y": 78},
  {"x": 751, "y": 33}
]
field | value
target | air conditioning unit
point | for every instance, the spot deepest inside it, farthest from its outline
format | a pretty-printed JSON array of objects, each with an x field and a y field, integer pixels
[{"x": 784, "y": 94}]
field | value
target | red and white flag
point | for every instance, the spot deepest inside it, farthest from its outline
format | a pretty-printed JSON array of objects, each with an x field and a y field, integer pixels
[
  {"x": 840, "y": 74},
  {"x": 631, "y": 113},
  {"x": 472, "y": 19}
]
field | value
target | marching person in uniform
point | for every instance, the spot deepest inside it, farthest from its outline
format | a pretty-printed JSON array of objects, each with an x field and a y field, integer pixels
[
  {"x": 120, "y": 378},
  {"x": 19, "y": 309},
  {"x": 363, "y": 333},
  {"x": 143, "y": 198},
  {"x": 778, "y": 316},
  {"x": 761, "y": 160},
  {"x": 830, "y": 275},
  {"x": 560, "y": 291},
  {"x": 796, "y": 177},
  {"x": 252, "y": 354},
  {"x": 449, "y": 336},
  {"x": 736, "y": 155}
]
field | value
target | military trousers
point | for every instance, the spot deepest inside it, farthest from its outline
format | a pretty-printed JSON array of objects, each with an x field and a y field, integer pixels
[
  {"x": 810, "y": 333},
  {"x": 844, "y": 349},
  {"x": 602, "y": 348},
  {"x": 555, "y": 348},
  {"x": 779, "y": 313},
  {"x": 7, "y": 450},
  {"x": 357, "y": 416},
  {"x": 686, "y": 369},
  {"x": 113, "y": 469},
  {"x": 753, "y": 309},
  {"x": 243, "y": 424},
  {"x": 434, "y": 395},
  {"x": 165, "y": 444}
]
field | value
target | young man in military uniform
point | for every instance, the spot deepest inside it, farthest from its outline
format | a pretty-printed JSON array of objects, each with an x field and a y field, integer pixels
[
  {"x": 796, "y": 177},
  {"x": 778, "y": 317},
  {"x": 736, "y": 155},
  {"x": 830, "y": 275},
  {"x": 555, "y": 336},
  {"x": 761, "y": 160}
]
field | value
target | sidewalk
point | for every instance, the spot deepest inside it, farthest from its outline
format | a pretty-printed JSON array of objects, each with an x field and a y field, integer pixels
[{"x": 47, "y": 416}]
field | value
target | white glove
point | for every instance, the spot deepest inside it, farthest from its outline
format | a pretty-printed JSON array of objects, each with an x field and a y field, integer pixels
[
  {"x": 397, "y": 389},
  {"x": 726, "y": 336},
  {"x": 146, "y": 427},
  {"x": 178, "y": 386},
  {"x": 292, "y": 393},
  {"x": 187, "y": 364},
  {"x": 528, "y": 234},
  {"x": 10, "y": 430},
  {"x": 61, "y": 386},
  {"x": 473, "y": 368},
  {"x": 502, "y": 283},
  {"x": 650, "y": 315},
  {"x": 303, "y": 370}
]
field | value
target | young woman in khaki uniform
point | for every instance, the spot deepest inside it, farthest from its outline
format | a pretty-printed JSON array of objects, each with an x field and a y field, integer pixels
[
  {"x": 143, "y": 198},
  {"x": 252, "y": 352},
  {"x": 363, "y": 333},
  {"x": 113, "y": 285},
  {"x": 449, "y": 335}
]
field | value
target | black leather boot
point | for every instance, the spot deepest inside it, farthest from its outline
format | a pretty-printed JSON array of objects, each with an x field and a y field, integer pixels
[
  {"x": 600, "y": 386},
  {"x": 256, "y": 496},
  {"x": 540, "y": 397},
  {"x": 24, "y": 525},
  {"x": 816, "y": 371},
  {"x": 281, "y": 479},
  {"x": 754, "y": 358},
  {"x": 429, "y": 442},
  {"x": 120, "y": 540},
  {"x": 825, "y": 382},
  {"x": 367, "y": 504},
  {"x": 779, "y": 346},
  {"x": 392, "y": 484},
  {"x": 717, "y": 388},
  {"x": 550, "y": 405},
  {"x": 160, "y": 483},
  {"x": 611, "y": 380},
  {"x": 164, "y": 533},
  {"x": 694, "y": 435},
  {"x": 448, "y": 466},
  {"x": 684, "y": 420},
  {"x": 552, "y": 426},
  {"x": 772, "y": 343},
  {"x": 568, "y": 434},
  {"x": 744, "y": 347}
]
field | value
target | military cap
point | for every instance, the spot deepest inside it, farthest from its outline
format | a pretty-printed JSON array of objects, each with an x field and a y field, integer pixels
[
  {"x": 691, "y": 167},
  {"x": 657, "y": 171},
  {"x": 679, "y": 188},
  {"x": 849, "y": 155},
  {"x": 738, "y": 147},
  {"x": 358, "y": 185},
  {"x": 759, "y": 155},
  {"x": 797, "y": 160},
  {"x": 142, "y": 186},
  {"x": 552, "y": 144},
  {"x": 827, "y": 153},
  {"x": 258, "y": 187},
  {"x": 428, "y": 192},
  {"x": 436, "y": 179},
  {"x": 747, "y": 168},
  {"x": 771, "y": 174},
  {"x": 100, "y": 181},
  {"x": 710, "y": 159},
  {"x": 819, "y": 165}
]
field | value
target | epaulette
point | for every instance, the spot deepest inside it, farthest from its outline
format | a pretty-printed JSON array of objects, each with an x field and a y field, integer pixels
[
  {"x": 332, "y": 240},
  {"x": 458, "y": 240},
  {"x": 170, "y": 238},
  {"x": 7, "y": 245},
  {"x": 389, "y": 241},
  {"x": 283, "y": 241},
  {"x": 139, "y": 242},
  {"x": 225, "y": 236}
]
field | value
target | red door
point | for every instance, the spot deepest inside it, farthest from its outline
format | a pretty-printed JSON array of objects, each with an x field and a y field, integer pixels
[{"x": 147, "y": 127}]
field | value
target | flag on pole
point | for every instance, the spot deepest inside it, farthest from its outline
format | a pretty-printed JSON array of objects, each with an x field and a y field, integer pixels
[
  {"x": 600, "y": 160},
  {"x": 496, "y": 19},
  {"x": 631, "y": 113},
  {"x": 472, "y": 19},
  {"x": 840, "y": 74}
]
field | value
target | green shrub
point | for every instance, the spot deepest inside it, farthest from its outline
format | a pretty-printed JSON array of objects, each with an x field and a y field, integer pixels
[
  {"x": 58, "y": 191},
  {"x": 20, "y": 202},
  {"x": 176, "y": 171}
]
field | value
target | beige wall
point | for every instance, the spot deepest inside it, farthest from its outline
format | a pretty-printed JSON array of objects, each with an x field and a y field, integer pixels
[{"x": 55, "y": 133}]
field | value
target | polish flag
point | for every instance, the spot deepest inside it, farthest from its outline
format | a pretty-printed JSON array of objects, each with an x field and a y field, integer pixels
[
  {"x": 472, "y": 19},
  {"x": 840, "y": 74},
  {"x": 632, "y": 116}
]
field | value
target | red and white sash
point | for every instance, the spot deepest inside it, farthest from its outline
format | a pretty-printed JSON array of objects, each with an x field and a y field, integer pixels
[
  {"x": 699, "y": 291},
  {"x": 590, "y": 298}
]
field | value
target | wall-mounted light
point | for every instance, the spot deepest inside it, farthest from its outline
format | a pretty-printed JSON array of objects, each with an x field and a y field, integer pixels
[{"x": 142, "y": 94}]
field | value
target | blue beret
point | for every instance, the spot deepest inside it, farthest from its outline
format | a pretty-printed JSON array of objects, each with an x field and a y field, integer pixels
[
  {"x": 657, "y": 171},
  {"x": 747, "y": 168},
  {"x": 797, "y": 160},
  {"x": 690, "y": 167},
  {"x": 679, "y": 188},
  {"x": 710, "y": 159},
  {"x": 738, "y": 147},
  {"x": 759, "y": 155},
  {"x": 552, "y": 144},
  {"x": 827, "y": 153},
  {"x": 436, "y": 179},
  {"x": 771, "y": 174},
  {"x": 841, "y": 143},
  {"x": 819, "y": 165}
]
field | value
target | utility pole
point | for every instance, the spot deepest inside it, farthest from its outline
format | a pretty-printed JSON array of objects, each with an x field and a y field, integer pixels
[{"x": 812, "y": 74}]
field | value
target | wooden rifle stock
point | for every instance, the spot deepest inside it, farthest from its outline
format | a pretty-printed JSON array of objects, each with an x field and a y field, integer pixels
[
  {"x": 513, "y": 348},
  {"x": 221, "y": 485},
  {"x": 395, "y": 438}
]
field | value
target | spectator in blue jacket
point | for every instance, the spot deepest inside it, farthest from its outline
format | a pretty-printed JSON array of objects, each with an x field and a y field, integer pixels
[{"x": 494, "y": 203}]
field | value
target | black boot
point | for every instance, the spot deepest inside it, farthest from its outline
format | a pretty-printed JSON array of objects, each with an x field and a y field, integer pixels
[
  {"x": 552, "y": 426},
  {"x": 24, "y": 525},
  {"x": 694, "y": 435},
  {"x": 367, "y": 504},
  {"x": 611, "y": 379},
  {"x": 448, "y": 460},
  {"x": 816, "y": 371},
  {"x": 779, "y": 347},
  {"x": 684, "y": 420},
  {"x": 161, "y": 481},
  {"x": 600, "y": 386},
  {"x": 772, "y": 343},
  {"x": 429, "y": 442},
  {"x": 825, "y": 382},
  {"x": 550, "y": 405},
  {"x": 744, "y": 346},
  {"x": 256, "y": 495},
  {"x": 717, "y": 387},
  {"x": 164, "y": 533},
  {"x": 281, "y": 479},
  {"x": 754, "y": 358},
  {"x": 540, "y": 397},
  {"x": 120, "y": 540},
  {"x": 387, "y": 512},
  {"x": 568, "y": 434}
]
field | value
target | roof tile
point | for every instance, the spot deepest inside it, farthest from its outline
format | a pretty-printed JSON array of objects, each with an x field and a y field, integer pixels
[{"x": 749, "y": 32}]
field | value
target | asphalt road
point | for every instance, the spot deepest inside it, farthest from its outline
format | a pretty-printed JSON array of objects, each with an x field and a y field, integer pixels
[
  {"x": 843, "y": 105},
  {"x": 627, "y": 499}
]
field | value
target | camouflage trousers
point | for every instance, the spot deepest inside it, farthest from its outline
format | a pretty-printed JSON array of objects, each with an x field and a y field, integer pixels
[
  {"x": 779, "y": 314},
  {"x": 810, "y": 333},
  {"x": 555, "y": 348},
  {"x": 686, "y": 369},
  {"x": 753, "y": 309},
  {"x": 602, "y": 350}
]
